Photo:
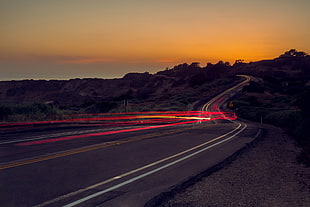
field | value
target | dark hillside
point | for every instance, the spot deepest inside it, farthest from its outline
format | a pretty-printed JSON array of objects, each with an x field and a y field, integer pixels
[
  {"x": 279, "y": 95},
  {"x": 81, "y": 92}
]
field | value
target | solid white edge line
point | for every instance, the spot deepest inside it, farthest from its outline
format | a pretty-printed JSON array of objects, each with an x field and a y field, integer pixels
[{"x": 151, "y": 172}]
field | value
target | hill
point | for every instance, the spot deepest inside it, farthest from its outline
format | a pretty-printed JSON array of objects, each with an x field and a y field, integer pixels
[{"x": 81, "y": 94}]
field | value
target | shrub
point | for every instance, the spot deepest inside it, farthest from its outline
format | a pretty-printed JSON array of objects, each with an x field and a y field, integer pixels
[
  {"x": 23, "y": 112},
  {"x": 289, "y": 119}
]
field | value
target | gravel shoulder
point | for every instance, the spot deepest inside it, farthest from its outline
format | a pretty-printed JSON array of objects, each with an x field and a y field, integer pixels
[{"x": 266, "y": 174}]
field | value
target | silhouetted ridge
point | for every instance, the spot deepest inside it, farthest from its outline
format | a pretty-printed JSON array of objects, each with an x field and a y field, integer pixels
[{"x": 292, "y": 68}]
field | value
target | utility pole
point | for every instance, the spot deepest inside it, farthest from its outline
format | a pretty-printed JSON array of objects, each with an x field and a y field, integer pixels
[{"x": 125, "y": 104}]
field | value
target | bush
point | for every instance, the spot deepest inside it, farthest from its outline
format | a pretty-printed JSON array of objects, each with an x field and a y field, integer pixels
[
  {"x": 252, "y": 113},
  {"x": 23, "y": 112},
  {"x": 5, "y": 111},
  {"x": 254, "y": 87},
  {"x": 101, "y": 107},
  {"x": 289, "y": 119}
]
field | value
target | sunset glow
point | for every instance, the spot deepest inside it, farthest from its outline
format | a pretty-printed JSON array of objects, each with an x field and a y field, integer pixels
[{"x": 104, "y": 39}]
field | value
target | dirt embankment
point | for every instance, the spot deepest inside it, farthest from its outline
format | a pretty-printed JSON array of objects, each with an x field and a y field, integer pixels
[{"x": 266, "y": 175}]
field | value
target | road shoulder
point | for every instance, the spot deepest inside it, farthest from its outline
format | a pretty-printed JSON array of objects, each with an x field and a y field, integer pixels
[{"x": 266, "y": 173}]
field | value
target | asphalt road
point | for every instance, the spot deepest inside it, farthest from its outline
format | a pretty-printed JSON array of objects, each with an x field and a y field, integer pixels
[{"x": 121, "y": 169}]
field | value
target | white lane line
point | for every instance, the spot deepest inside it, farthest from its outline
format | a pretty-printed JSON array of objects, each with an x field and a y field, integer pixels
[
  {"x": 206, "y": 106},
  {"x": 151, "y": 172},
  {"x": 137, "y": 170}
]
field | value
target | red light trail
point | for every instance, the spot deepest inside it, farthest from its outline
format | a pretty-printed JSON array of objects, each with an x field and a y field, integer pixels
[{"x": 158, "y": 119}]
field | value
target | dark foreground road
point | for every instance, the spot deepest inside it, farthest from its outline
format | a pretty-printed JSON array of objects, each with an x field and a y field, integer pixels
[
  {"x": 266, "y": 175},
  {"x": 68, "y": 167},
  {"x": 103, "y": 171}
]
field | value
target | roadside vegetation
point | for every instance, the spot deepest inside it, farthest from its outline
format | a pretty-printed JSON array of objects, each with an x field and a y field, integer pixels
[
  {"x": 281, "y": 100},
  {"x": 30, "y": 112},
  {"x": 183, "y": 99},
  {"x": 288, "y": 111}
]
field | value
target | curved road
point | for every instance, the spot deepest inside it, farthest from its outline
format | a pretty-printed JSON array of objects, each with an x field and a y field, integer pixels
[{"x": 113, "y": 169}]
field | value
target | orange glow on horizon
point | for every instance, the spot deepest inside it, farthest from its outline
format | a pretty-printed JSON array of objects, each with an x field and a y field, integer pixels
[
  {"x": 87, "y": 61},
  {"x": 152, "y": 32}
]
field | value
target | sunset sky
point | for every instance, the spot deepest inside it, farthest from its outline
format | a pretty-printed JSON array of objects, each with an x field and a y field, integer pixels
[{"x": 62, "y": 39}]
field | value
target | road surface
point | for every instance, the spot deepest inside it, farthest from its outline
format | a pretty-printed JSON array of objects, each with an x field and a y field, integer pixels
[{"x": 114, "y": 166}]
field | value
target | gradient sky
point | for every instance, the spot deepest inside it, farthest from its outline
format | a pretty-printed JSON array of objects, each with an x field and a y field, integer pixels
[{"x": 62, "y": 39}]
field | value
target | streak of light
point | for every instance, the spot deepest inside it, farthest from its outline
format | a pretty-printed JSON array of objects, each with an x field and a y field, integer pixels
[
  {"x": 130, "y": 116},
  {"x": 146, "y": 120}
]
